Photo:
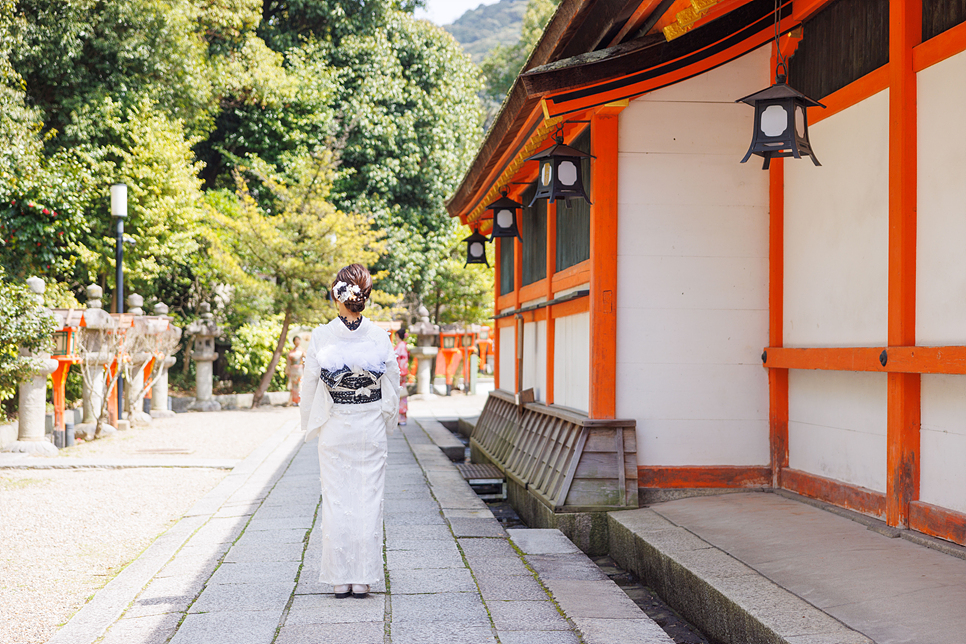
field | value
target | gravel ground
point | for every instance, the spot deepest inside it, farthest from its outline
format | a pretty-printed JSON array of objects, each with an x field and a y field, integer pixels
[{"x": 66, "y": 533}]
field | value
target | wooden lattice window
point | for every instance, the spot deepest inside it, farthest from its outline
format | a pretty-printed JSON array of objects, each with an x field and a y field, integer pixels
[
  {"x": 534, "y": 232},
  {"x": 506, "y": 264},
  {"x": 573, "y": 216}
]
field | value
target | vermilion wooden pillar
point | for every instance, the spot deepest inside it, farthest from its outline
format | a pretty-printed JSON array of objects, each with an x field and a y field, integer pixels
[
  {"x": 551, "y": 269},
  {"x": 518, "y": 327},
  {"x": 496, "y": 311},
  {"x": 902, "y": 472},
  {"x": 604, "y": 131},
  {"x": 777, "y": 378}
]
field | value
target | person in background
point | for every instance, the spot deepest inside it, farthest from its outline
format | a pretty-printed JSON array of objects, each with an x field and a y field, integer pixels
[
  {"x": 402, "y": 357},
  {"x": 293, "y": 369}
]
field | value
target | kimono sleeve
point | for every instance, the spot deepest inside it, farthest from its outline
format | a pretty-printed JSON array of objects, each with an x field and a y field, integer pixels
[{"x": 316, "y": 402}]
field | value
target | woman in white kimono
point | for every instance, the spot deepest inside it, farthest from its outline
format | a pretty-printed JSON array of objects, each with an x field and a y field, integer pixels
[{"x": 350, "y": 399}]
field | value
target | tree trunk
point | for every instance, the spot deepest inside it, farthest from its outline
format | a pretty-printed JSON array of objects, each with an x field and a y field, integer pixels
[{"x": 276, "y": 356}]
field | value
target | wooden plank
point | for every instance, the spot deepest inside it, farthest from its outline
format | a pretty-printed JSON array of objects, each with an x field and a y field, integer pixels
[
  {"x": 567, "y": 440},
  {"x": 545, "y": 469},
  {"x": 560, "y": 497},
  {"x": 595, "y": 493},
  {"x": 598, "y": 465}
]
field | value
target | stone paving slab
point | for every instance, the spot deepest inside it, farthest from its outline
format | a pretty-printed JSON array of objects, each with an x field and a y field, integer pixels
[{"x": 247, "y": 571}]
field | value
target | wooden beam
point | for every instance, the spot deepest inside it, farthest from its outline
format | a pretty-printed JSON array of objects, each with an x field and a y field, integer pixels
[
  {"x": 913, "y": 360},
  {"x": 837, "y": 493},
  {"x": 938, "y": 522},
  {"x": 902, "y": 467},
  {"x": 939, "y": 48},
  {"x": 572, "y": 276},
  {"x": 649, "y": 476},
  {"x": 604, "y": 130},
  {"x": 855, "y": 92}
]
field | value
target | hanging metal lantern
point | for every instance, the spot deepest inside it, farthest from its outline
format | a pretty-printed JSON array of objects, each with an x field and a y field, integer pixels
[
  {"x": 504, "y": 212},
  {"x": 560, "y": 173},
  {"x": 476, "y": 249},
  {"x": 781, "y": 123}
]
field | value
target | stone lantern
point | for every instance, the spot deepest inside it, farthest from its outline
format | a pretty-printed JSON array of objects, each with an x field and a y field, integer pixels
[
  {"x": 95, "y": 361},
  {"x": 134, "y": 392},
  {"x": 31, "y": 438},
  {"x": 204, "y": 331},
  {"x": 424, "y": 351},
  {"x": 159, "y": 391}
]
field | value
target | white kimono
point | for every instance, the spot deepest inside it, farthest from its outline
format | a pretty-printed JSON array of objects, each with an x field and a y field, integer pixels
[{"x": 352, "y": 447}]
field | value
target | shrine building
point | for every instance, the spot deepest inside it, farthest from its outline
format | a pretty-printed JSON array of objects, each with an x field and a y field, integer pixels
[{"x": 800, "y": 327}]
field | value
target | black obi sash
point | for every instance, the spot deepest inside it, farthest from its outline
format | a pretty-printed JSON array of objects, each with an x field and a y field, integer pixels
[{"x": 348, "y": 387}]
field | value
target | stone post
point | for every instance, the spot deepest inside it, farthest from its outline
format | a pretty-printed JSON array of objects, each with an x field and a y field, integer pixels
[
  {"x": 159, "y": 392},
  {"x": 424, "y": 352},
  {"x": 133, "y": 394},
  {"x": 95, "y": 321},
  {"x": 204, "y": 331},
  {"x": 31, "y": 438}
]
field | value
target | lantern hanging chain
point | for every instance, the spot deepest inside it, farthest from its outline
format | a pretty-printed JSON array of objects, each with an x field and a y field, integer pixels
[{"x": 780, "y": 61}]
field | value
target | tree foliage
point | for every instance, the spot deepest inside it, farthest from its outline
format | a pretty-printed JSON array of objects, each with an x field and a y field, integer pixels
[{"x": 23, "y": 325}]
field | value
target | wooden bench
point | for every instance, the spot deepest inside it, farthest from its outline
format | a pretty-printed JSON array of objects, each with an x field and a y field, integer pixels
[{"x": 481, "y": 476}]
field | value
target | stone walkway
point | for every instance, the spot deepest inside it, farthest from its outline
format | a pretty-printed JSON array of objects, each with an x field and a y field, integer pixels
[{"x": 242, "y": 567}]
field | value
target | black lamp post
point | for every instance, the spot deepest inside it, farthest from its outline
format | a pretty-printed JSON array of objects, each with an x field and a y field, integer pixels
[
  {"x": 476, "y": 249},
  {"x": 119, "y": 212},
  {"x": 560, "y": 173},
  {"x": 504, "y": 212}
]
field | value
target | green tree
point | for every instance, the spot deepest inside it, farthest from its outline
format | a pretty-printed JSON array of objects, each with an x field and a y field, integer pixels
[
  {"x": 456, "y": 292},
  {"x": 504, "y": 63},
  {"x": 283, "y": 258},
  {"x": 411, "y": 124}
]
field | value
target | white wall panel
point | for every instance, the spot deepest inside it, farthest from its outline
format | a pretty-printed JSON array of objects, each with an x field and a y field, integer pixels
[
  {"x": 942, "y": 447},
  {"x": 508, "y": 358},
  {"x": 692, "y": 301},
  {"x": 941, "y": 262},
  {"x": 836, "y": 231},
  {"x": 535, "y": 358},
  {"x": 571, "y": 361},
  {"x": 837, "y": 426}
]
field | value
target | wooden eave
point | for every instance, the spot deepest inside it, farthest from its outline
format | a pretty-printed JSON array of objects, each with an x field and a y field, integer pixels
[
  {"x": 553, "y": 83},
  {"x": 577, "y": 25}
]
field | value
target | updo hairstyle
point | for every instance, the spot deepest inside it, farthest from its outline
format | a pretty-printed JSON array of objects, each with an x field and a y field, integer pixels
[{"x": 358, "y": 275}]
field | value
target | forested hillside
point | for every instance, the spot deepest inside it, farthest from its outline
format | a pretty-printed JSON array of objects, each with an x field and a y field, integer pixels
[{"x": 480, "y": 30}]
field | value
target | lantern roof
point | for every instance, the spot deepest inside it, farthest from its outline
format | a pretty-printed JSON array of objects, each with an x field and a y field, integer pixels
[
  {"x": 558, "y": 150},
  {"x": 778, "y": 91},
  {"x": 504, "y": 202},
  {"x": 477, "y": 237}
]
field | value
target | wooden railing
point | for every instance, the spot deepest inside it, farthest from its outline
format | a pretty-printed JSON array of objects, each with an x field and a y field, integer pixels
[{"x": 570, "y": 462}]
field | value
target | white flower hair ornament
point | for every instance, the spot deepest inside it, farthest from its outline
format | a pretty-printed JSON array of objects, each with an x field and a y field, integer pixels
[{"x": 345, "y": 292}]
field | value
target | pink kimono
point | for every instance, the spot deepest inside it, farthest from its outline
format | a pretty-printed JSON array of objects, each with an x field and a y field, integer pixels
[{"x": 402, "y": 357}]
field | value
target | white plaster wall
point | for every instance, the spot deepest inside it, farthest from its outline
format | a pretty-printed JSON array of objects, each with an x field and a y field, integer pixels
[
  {"x": 941, "y": 278},
  {"x": 837, "y": 426},
  {"x": 535, "y": 358},
  {"x": 692, "y": 300},
  {"x": 942, "y": 446},
  {"x": 571, "y": 361},
  {"x": 508, "y": 358},
  {"x": 940, "y": 256},
  {"x": 837, "y": 232}
]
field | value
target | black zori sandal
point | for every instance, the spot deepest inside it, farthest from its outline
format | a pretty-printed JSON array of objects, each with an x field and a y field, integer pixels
[
  {"x": 360, "y": 591},
  {"x": 343, "y": 591}
]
